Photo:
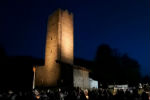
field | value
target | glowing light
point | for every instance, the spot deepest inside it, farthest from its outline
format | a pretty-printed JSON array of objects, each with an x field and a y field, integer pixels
[
  {"x": 34, "y": 69},
  {"x": 38, "y": 97}
]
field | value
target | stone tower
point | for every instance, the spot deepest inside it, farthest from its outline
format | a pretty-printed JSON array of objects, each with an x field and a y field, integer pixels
[{"x": 59, "y": 47}]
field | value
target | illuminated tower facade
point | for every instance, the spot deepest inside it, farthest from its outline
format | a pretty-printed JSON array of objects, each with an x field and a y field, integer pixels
[{"x": 59, "y": 47}]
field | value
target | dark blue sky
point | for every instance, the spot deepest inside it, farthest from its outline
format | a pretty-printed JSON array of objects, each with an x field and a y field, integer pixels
[{"x": 123, "y": 24}]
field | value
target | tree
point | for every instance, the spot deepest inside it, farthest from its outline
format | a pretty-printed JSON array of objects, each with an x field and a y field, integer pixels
[
  {"x": 109, "y": 66},
  {"x": 105, "y": 63}
]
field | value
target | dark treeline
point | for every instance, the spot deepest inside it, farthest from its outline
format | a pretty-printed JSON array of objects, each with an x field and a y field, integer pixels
[
  {"x": 110, "y": 66},
  {"x": 16, "y": 71}
]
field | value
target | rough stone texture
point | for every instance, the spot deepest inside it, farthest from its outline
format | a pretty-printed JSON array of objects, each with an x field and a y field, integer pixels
[
  {"x": 59, "y": 47},
  {"x": 81, "y": 78}
]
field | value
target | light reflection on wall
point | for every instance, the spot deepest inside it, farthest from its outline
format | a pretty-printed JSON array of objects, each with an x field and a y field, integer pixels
[
  {"x": 67, "y": 38},
  {"x": 59, "y": 46}
]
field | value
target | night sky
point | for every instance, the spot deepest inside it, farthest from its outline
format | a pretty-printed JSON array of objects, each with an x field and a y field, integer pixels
[{"x": 122, "y": 24}]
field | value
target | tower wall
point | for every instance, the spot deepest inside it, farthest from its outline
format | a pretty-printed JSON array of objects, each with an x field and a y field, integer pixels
[
  {"x": 59, "y": 47},
  {"x": 67, "y": 37}
]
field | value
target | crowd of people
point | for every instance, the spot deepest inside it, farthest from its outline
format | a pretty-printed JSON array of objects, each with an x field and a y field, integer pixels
[{"x": 73, "y": 94}]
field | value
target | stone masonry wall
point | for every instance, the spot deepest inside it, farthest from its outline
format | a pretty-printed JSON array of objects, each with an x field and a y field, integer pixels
[{"x": 59, "y": 46}]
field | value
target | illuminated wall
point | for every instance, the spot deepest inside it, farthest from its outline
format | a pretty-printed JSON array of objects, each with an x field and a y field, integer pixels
[
  {"x": 59, "y": 46},
  {"x": 81, "y": 78},
  {"x": 67, "y": 37}
]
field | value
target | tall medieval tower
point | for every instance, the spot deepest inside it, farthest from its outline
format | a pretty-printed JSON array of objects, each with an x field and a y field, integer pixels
[{"x": 59, "y": 47}]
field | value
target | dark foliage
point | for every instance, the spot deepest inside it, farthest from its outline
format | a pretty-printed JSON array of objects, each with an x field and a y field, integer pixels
[
  {"x": 16, "y": 71},
  {"x": 110, "y": 66}
]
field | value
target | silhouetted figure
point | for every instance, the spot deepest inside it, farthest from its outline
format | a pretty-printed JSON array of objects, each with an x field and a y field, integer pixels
[{"x": 145, "y": 96}]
